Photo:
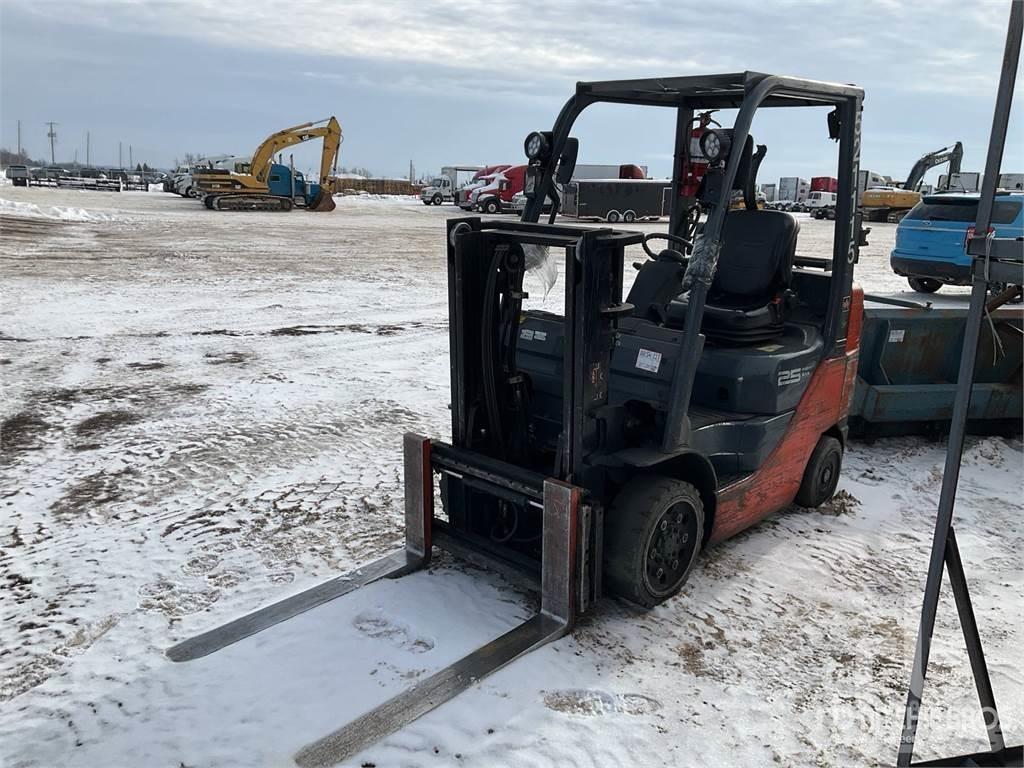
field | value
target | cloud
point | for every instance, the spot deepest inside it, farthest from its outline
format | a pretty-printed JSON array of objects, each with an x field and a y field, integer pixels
[
  {"x": 442, "y": 78},
  {"x": 945, "y": 46}
]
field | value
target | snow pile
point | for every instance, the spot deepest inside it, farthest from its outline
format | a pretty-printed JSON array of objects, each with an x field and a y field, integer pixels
[
  {"x": 370, "y": 198},
  {"x": 31, "y": 210}
]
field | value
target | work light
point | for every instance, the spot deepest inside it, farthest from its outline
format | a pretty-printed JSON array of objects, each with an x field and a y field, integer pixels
[
  {"x": 715, "y": 145},
  {"x": 537, "y": 146}
]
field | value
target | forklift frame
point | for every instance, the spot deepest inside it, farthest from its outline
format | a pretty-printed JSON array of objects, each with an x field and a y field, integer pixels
[{"x": 569, "y": 497}]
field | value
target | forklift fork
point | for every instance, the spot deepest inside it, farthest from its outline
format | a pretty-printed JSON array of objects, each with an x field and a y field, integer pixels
[{"x": 560, "y": 545}]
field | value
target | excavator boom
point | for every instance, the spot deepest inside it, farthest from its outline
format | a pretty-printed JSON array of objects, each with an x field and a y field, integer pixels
[
  {"x": 953, "y": 155},
  {"x": 328, "y": 129}
]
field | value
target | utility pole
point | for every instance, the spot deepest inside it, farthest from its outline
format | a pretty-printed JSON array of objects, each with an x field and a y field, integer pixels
[
  {"x": 120, "y": 156},
  {"x": 131, "y": 163},
  {"x": 87, "y": 149},
  {"x": 19, "y": 138},
  {"x": 52, "y": 136}
]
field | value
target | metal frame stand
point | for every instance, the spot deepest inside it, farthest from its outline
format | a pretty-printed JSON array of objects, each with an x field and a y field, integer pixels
[{"x": 994, "y": 261}]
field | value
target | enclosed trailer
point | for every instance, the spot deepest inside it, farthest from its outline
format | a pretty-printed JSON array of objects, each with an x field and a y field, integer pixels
[
  {"x": 616, "y": 199},
  {"x": 793, "y": 188}
]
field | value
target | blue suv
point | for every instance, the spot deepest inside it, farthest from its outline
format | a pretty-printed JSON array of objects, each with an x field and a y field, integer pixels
[{"x": 930, "y": 240}]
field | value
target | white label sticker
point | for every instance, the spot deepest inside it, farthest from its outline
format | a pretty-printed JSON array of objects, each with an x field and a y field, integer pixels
[
  {"x": 527, "y": 334},
  {"x": 540, "y": 335},
  {"x": 648, "y": 360},
  {"x": 897, "y": 335}
]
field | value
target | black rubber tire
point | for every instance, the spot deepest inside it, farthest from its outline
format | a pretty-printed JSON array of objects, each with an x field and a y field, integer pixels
[
  {"x": 924, "y": 284},
  {"x": 492, "y": 206},
  {"x": 613, "y": 217},
  {"x": 437, "y": 199},
  {"x": 656, "y": 512},
  {"x": 821, "y": 475},
  {"x": 629, "y": 217}
]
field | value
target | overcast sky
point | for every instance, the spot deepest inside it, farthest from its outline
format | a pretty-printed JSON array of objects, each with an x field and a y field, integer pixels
[{"x": 440, "y": 82}]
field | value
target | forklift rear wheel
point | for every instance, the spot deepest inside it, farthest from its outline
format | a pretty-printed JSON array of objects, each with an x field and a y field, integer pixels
[
  {"x": 612, "y": 217},
  {"x": 653, "y": 535},
  {"x": 924, "y": 284},
  {"x": 822, "y": 473}
]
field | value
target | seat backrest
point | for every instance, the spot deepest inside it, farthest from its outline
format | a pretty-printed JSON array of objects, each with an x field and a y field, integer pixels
[
  {"x": 758, "y": 248},
  {"x": 656, "y": 284}
]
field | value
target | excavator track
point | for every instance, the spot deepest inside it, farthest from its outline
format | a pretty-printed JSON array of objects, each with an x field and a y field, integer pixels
[{"x": 248, "y": 203}]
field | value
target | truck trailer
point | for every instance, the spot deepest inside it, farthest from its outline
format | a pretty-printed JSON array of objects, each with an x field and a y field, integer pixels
[
  {"x": 967, "y": 181},
  {"x": 824, "y": 184},
  {"x": 793, "y": 188},
  {"x": 615, "y": 200}
]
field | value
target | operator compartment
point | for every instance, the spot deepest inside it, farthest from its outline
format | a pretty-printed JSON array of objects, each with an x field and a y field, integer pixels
[{"x": 763, "y": 341}]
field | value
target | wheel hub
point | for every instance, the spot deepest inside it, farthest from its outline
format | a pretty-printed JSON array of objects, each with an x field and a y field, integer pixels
[{"x": 669, "y": 547}]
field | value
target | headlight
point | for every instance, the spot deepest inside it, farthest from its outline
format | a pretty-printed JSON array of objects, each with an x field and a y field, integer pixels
[
  {"x": 715, "y": 145},
  {"x": 536, "y": 146}
]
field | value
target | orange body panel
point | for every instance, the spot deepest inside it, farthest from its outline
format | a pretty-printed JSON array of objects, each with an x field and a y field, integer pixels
[{"x": 824, "y": 404}]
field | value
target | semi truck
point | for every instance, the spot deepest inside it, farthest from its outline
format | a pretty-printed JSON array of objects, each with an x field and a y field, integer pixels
[
  {"x": 445, "y": 187},
  {"x": 498, "y": 192},
  {"x": 870, "y": 180},
  {"x": 615, "y": 200}
]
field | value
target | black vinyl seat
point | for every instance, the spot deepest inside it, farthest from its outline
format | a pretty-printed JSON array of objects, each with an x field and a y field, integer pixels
[{"x": 749, "y": 297}]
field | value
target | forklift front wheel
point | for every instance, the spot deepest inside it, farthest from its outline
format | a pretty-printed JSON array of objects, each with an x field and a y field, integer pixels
[
  {"x": 822, "y": 473},
  {"x": 652, "y": 538}
]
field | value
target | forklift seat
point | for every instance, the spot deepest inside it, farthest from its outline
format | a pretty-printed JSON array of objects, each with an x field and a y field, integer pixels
[{"x": 749, "y": 297}]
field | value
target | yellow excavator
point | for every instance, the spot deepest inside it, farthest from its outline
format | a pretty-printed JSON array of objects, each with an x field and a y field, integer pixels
[
  {"x": 893, "y": 203},
  {"x": 270, "y": 186}
]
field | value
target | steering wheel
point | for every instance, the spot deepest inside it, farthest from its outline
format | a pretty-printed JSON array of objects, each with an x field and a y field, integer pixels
[{"x": 671, "y": 238}]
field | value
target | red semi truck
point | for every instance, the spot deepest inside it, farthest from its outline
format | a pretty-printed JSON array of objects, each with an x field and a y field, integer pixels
[{"x": 496, "y": 193}]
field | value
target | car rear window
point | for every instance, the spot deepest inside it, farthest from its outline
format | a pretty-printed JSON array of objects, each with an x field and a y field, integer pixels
[{"x": 1003, "y": 211}]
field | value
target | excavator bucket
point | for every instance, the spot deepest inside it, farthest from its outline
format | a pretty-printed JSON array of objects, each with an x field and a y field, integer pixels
[{"x": 323, "y": 202}]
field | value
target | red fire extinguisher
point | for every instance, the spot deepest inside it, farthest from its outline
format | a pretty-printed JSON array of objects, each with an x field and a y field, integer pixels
[{"x": 696, "y": 165}]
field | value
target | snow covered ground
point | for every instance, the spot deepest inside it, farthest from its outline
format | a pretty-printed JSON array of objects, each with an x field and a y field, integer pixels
[{"x": 203, "y": 412}]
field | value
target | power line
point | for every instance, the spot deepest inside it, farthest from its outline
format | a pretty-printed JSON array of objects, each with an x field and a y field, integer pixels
[{"x": 52, "y": 136}]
